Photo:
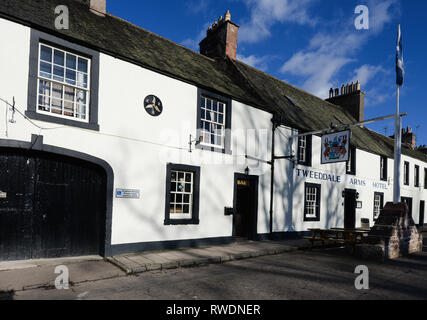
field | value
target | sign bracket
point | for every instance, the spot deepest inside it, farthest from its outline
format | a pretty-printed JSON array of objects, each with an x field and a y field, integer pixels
[{"x": 335, "y": 128}]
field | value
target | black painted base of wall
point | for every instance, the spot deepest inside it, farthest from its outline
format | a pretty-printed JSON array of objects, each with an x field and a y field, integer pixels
[
  {"x": 194, "y": 243},
  {"x": 280, "y": 236},
  {"x": 168, "y": 245}
]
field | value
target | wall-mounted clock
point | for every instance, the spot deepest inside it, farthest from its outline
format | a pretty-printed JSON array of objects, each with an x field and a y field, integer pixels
[{"x": 153, "y": 105}]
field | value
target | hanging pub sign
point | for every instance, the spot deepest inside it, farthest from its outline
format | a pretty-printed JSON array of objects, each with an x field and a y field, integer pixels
[{"x": 336, "y": 147}]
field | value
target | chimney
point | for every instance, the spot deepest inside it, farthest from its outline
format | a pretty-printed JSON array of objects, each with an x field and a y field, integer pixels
[
  {"x": 409, "y": 137},
  {"x": 98, "y": 7},
  {"x": 422, "y": 149},
  {"x": 221, "y": 39},
  {"x": 351, "y": 99}
]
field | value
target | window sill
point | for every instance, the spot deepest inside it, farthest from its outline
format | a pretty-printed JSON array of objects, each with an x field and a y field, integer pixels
[
  {"x": 304, "y": 164},
  {"x": 177, "y": 222},
  {"x": 214, "y": 149},
  {"x": 66, "y": 122}
]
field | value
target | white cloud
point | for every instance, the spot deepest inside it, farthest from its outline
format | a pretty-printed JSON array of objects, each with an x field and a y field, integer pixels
[
  {"x": 193, "y": 43},
  {"x": 366, "y": 73},
  {"x": 319, "y": 65},
  {"x": 266, "y": 13},
  {"x": 197, "y": 6},
  {"x": 254, "y": 61}
]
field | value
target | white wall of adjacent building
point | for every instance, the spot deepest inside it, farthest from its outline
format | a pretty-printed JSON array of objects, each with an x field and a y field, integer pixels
[{"x": 290, "y": 188}]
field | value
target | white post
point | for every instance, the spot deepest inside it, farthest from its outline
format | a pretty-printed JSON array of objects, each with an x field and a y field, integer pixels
[{"x": 397, "y": 152}]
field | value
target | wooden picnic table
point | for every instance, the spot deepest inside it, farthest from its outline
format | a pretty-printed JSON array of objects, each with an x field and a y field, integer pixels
[{"x": 337, "y": 235}]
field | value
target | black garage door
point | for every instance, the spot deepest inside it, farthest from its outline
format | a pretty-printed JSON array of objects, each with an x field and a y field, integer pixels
[{"x": 50, "y": 206}]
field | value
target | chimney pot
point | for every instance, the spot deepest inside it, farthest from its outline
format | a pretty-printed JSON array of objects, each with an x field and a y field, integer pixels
[
  {"x": 221, "y": 39},
  {"x": 353, "y": 103},
  {"x": 98, "y": 7},
  {"x": 357, "y": 86}
]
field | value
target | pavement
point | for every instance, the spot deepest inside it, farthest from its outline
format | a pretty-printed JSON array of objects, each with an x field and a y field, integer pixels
[
  {"x": 19, "y": 276},
  {"x": 173, "y": 259},
  {"x": 28, "y": 279},
  {"x": 319, "y": 274},
  {"x": 33, "y": 274}
]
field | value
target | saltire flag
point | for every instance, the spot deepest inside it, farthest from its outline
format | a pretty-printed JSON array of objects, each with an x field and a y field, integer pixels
[{"x": 400, "y": 69}]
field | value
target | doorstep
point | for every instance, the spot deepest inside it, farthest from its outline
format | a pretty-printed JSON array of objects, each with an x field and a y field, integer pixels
[{"x": 173, "y": 259}]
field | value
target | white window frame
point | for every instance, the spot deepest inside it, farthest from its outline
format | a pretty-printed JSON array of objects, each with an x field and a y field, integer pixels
[
  {"x": 311, "y": 202},
  {"x": 406, "y": 173},
  {"x": 174, "y": 215},
  {"x": 63, "y": 84},
  {"x": 302, "y": 152},
  {"x": 377, "y": 205},
  {"x": 203, "y": 131},
  {"x": 417, "y": 176}
]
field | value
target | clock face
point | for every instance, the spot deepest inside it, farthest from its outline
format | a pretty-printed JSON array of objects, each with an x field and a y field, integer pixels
[{"x": 153, "y": 106}]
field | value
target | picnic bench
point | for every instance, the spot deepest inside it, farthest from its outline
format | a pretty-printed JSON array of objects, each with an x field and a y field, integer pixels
[{"x": 337, "y": 235}]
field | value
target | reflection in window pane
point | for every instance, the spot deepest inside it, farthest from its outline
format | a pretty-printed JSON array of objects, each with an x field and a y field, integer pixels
[
  {"x": 57, "y": 91},
  {"x": 70, "y": 76},
  {"x": 83, "y": 65},
  {"x": 45, "y": 70},
  {"x": 46, "y": 54},
  {"x": 59, "y": 58},
  {"x": 71, "y": 61},
  {"x": 59, "y": 97},
  {"x": 58, "y": 73}
]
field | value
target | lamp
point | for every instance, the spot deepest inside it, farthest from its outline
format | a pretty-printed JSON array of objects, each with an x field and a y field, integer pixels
[{"x": 247, "y": 171}]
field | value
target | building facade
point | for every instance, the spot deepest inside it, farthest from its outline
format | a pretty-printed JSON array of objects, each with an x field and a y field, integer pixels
[{"x": 115, "y": 140}]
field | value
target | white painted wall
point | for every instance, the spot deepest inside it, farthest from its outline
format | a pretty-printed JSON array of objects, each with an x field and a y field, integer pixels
[
  {"x": 138, "y": 147},
  {"x": 290, "y": 189}
]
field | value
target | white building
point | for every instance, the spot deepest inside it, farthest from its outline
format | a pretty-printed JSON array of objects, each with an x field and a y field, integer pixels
[{"x": 122, "y": 141}]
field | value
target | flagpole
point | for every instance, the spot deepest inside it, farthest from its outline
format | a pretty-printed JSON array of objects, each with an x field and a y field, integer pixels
[
  {"x": 397, "y": 150},
  {"x": 400, "y": 73}
]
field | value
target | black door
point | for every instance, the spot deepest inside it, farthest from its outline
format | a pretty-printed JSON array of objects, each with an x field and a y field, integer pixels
[
  {"x": 50, "y": 206},
  {"x": 245, "y": 206},
  {"x": 408, "y": 201},
  {"x": 422, "y": 210},
  {"x": 350, "y": 203}
]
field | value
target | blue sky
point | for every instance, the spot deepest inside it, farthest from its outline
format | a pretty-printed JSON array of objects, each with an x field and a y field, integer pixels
[{"x": 311, "y": 44}]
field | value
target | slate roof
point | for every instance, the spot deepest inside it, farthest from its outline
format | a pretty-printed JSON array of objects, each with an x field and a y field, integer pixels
[{"x": 119, "y": 38}]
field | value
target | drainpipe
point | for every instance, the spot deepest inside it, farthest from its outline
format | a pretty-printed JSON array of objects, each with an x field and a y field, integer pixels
[{"x": 273, "y": 158}]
